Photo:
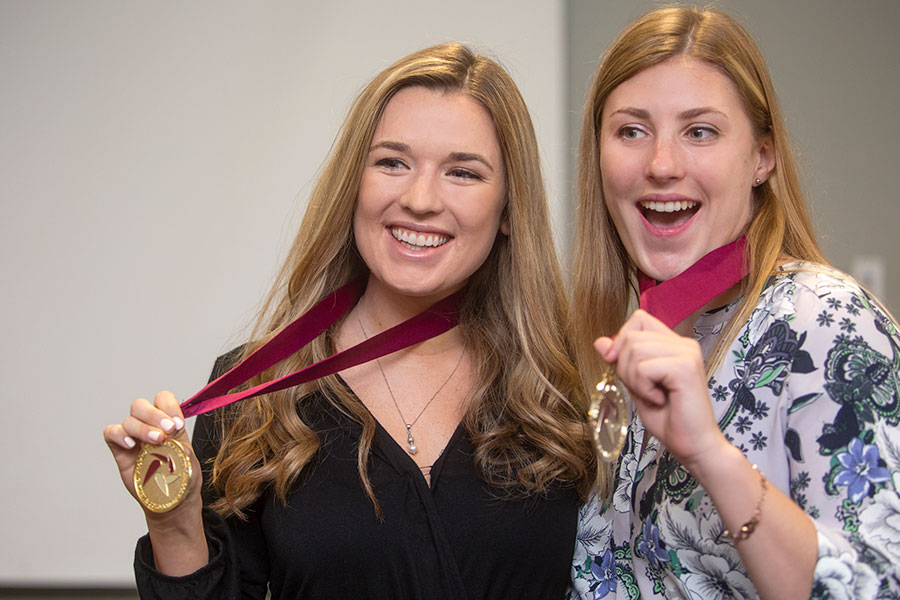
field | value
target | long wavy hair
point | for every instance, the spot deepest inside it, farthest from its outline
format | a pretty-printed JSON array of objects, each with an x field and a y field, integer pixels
[
  {"x": 526, "y": 410},
  {"x": 780, "y": 228}
]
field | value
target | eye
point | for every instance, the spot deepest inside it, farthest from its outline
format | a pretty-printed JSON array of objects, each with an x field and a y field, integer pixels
[
  {"x": 701, "y": 133},
  {"x": 631, "y": 132},
  {"x": 464, "y": 174},
  {"x": 390, "y": 163}
]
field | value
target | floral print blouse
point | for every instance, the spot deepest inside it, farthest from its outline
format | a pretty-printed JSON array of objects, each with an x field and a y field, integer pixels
[{"x": 810, "y": 392}]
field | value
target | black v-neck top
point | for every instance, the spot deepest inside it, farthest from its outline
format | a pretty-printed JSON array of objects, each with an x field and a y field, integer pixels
[{"x": 458, "y": 539}]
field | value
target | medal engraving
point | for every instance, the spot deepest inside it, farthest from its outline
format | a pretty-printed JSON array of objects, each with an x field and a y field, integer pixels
[
  {"x": 162, "y": 474},
  {"x": 608, "y": 417}
]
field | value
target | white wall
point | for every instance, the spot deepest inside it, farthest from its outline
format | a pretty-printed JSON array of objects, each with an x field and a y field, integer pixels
[{"x": 154, "y": 161}]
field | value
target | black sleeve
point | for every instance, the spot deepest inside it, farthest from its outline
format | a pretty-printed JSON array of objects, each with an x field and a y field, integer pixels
[
  {"x": 218, "y": 580},
  {"x": 238, "y": 561}
]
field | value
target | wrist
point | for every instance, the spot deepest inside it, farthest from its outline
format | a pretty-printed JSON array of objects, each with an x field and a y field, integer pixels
[
  {"x": 716, "y": 463},
  {"x": 179, "y": 542}
]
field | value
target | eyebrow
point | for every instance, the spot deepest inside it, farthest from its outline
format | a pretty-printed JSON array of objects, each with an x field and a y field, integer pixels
[
  {"x": 454, "y": 156},
  {"x": 470, "y": 156},
  {"x": 703, "y": 110},
  {"x": 395, "y": 146},
  {"x": 692, "y": 113}
]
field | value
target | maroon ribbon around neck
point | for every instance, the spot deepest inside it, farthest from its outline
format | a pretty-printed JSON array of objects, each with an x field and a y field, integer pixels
[
  {"x": 439, "y": 318},
  {"x": 673, "y": 300}
]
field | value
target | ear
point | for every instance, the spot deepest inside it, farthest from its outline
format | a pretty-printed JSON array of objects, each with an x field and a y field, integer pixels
[
  {"x": 504, "y": 219},
  {"x": 766, "y": 161}
]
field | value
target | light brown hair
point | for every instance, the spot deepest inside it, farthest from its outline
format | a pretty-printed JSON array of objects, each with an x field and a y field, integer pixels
[
  {"x": 604, "y": 275},
  {"x": 526, "y": 412}
]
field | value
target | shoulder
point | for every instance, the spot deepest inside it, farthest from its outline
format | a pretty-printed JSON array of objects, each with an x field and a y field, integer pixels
[
  {"x": 816, "y": 293},
  {"x": 227, "y": 361},
  {"x": 825, "y": 296},
  {"x": 823, "y": 281}
]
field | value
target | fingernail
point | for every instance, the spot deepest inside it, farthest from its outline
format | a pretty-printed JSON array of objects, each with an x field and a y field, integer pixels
[
  {"x": 129, "y": 442},
  {"x": 179, "y": 423},
  {"x": 154, "y": 435},
  {"x": 167, "y": 424}
]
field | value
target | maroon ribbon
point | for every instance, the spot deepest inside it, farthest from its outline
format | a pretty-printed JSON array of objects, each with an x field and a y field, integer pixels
[
  {"x": 673, "y": 300},
  {"x": 439, "y": 318}
]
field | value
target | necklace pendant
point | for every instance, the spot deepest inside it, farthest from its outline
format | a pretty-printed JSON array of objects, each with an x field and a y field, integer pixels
[{"x": 412, "y": 448}]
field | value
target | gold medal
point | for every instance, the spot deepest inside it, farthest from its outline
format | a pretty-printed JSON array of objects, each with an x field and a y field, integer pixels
[
  {"x": 162, "y": 474},
  {"x": 608, "y": 417}
]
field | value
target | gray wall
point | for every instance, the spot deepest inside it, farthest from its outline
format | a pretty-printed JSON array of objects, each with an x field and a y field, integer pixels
[{"x": 836, "y": 68}]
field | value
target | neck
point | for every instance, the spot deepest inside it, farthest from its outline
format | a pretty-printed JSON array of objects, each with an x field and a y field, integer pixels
[
  {"x": 380, "y": 309},
  {"x": 686, "y": 327}
]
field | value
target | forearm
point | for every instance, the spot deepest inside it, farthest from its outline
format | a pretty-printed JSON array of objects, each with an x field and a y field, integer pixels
[{"x": 780, "y": 554}]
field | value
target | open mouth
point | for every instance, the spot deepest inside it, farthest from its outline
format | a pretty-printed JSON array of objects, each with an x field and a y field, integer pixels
[
  {"x": 668, "y": 214},
  {"x": 418, "y": 241}
]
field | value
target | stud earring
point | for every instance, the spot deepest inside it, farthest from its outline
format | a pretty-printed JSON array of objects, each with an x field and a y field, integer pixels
[{"x": 757, "y": 181}]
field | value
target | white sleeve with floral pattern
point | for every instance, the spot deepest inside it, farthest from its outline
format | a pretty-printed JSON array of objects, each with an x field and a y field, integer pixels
[{"x": 841, "y": 433}]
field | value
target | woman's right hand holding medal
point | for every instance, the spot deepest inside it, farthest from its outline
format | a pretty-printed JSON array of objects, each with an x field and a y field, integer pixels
[
  {"x": 665, "y": 376},
  {"x": 159, "y": 469}
]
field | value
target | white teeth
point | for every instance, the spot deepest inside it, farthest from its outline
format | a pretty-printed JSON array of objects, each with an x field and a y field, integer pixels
[
  {"x": 417, "y": 241},
  {"x": 668, "y": 206}
]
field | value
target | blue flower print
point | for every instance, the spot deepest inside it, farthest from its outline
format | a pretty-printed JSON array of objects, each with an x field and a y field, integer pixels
[
  {"x": 650, "y": 546},
  {"x": 720, "y": 393},
  {"x": 760, "y": 411},
  {"x": 758, "y": 440},
  {"x": 743, "y": 424},
  {"x": 825, "y": 319},
  {"x": 848, "y": 325},
  {"x": 604, "y": 572},
  {"x": 860, "y": 470}
]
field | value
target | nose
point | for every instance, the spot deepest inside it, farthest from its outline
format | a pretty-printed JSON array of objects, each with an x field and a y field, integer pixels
[
  {"x": 665, "y": 161},
  {"x": 423, "y": 194}
]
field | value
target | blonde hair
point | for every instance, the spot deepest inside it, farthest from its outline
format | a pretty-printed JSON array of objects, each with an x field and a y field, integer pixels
[
  {"x": 526, "y": 411},
  {"x": 604, "y": 275}
]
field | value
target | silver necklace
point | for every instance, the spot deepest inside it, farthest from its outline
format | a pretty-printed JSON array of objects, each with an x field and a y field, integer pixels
[{"x": 411, "y": 442}]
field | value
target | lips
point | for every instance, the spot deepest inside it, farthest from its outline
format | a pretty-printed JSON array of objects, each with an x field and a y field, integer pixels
[
  {"x": 668, "y": 214},
  {"x": 415, "y": 240}
]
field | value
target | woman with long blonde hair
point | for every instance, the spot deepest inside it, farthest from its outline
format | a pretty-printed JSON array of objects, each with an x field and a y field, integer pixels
[
  {"x": 451, "y": 468},
  {"x": 761, "y": 455}
]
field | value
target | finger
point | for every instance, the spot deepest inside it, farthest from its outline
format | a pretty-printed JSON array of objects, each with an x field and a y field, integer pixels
[
  {"x": 645, "y": 345},
  {"x": 603, "y": 345},
  {"x": 667, "y": 356},
  {"x": 638, "y": 321},
  {"x": 166, "y": 402},
  {"x": 155, "y": 417},
  {"x": 142, "y": 431},
  {"x": 118, "y": 439},
  {"x": 644, "y": 321}
]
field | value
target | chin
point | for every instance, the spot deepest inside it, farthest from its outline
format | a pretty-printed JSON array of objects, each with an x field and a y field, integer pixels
[
  {"x": 664, "y": 267},
  {"x": 662, "y": 272}
]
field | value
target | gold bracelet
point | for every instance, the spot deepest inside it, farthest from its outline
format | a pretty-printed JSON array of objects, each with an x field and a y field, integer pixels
[{"x": 750, "y": 526}]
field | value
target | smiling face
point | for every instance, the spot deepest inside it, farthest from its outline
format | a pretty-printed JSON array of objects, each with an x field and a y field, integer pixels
[
  {"x": 678, "y": 159},
  {"x": 432, "y": 194}
]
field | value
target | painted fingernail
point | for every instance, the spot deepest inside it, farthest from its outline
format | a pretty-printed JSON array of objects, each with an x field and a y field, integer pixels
[
  {"x": 179, "y": 423},
  {"x": 167, "y": 424},
  {"x": 129, "y": 442},
  {"x": 154, "y": 435}
]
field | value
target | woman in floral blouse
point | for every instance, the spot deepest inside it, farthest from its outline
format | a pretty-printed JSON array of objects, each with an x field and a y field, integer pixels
[{"x": 771, "y": 411}]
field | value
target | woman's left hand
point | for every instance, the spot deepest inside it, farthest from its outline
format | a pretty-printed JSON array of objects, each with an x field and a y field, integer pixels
[{"x": 666, "y": 377}]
